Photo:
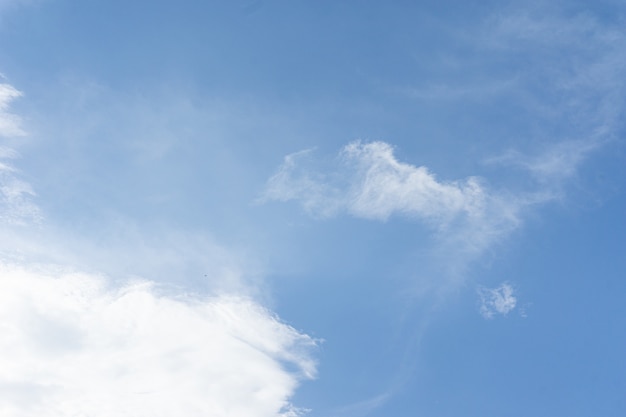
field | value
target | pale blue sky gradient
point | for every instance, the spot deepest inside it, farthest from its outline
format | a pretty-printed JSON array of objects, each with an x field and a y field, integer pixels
[{"x": 377, "y": 209}]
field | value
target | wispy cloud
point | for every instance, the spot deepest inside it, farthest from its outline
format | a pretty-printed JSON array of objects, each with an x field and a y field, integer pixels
[
  {"x": 499, "y": 300},
  {"x": 369, "y": 182},
  {"x": 9, "y": 122},
  {"x": 72, "y": 345},
  {"x": 16, "y": 205},
  {"x": 554, "y": 164},
  {"x": 575, "y": 68},
  {"x": 313, "y": 188},
  {"x": 575, "y": 78}
]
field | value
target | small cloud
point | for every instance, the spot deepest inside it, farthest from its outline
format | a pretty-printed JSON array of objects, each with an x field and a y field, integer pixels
[{"x": 499, "y": 300}]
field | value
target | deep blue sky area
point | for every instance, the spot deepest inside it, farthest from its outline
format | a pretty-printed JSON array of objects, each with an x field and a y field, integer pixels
[{"x": 323, "y": 208}]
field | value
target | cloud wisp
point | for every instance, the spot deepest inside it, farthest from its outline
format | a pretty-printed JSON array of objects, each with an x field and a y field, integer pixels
[
  {"x": 9, "y": 122},
  {"x": 499, "y": 300},
  {"x": 556, "y": 164},
  {"x": 369, "y": 182}
]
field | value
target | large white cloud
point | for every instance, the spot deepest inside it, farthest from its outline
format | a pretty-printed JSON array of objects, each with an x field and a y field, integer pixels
[
  {"x": 82, "y": 344},
  {"x": 71, "y": 346}
]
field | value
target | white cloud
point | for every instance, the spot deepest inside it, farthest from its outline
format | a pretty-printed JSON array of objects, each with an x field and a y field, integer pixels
[
  {"x": 72, "y": 346},
  {"x": 499, "y": 300},
  {"x": 384, "y": 186},
  {"x": 369, "y": 182},
  {"x": 375, "y": 185}
]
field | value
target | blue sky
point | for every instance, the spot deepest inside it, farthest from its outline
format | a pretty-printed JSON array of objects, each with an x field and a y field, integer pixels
[{"x": 322, "y": 208}]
